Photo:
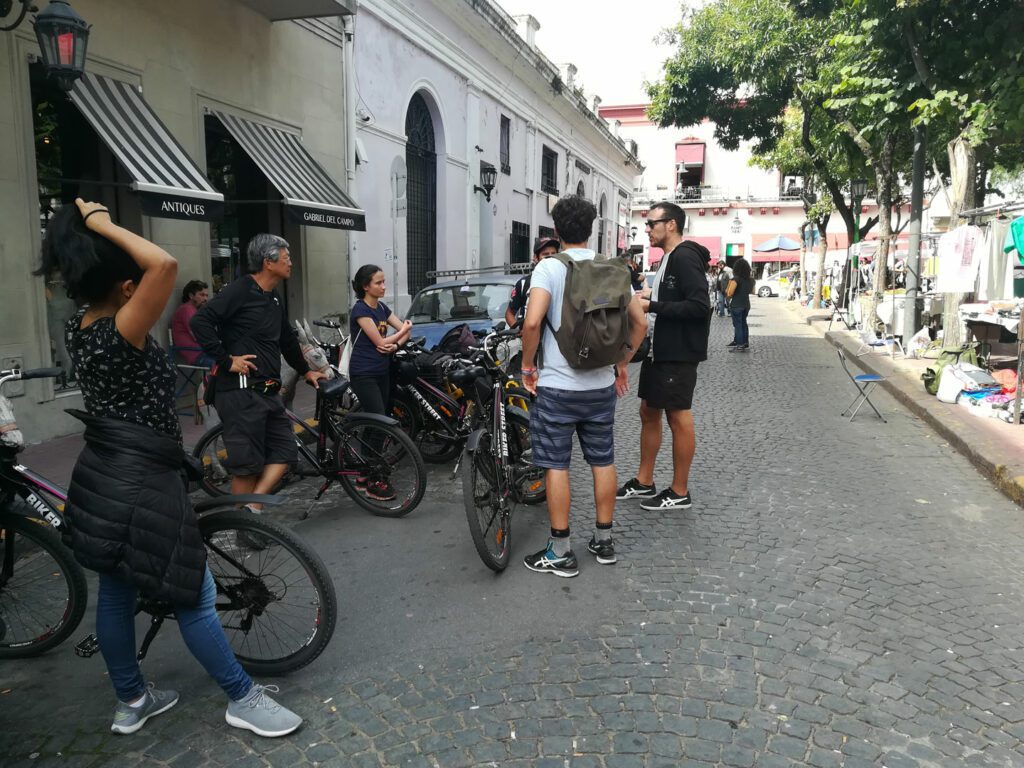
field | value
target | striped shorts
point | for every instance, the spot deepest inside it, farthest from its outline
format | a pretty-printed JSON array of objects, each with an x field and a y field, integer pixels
[{"x": 558, "y": 413}]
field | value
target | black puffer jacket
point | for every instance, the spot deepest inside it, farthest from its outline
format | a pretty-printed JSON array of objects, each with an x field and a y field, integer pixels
[
  {"x": 129, "y": 513},
  {"x": 683, "y": 306}
]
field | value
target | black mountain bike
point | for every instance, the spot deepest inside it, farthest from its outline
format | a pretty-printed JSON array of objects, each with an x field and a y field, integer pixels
[
  {"x": 275, "y": 599},
  {"x": 339, "y": 446},
  {"x": 496, "y": 471}
]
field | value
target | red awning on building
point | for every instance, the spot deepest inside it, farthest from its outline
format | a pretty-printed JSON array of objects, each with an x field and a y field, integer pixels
[
  {"x": 691, "y": 154},
  {"x": 713, "y": 244},
  {"x": 762, "y": 258},
  {"x": 654, "y": 257}
]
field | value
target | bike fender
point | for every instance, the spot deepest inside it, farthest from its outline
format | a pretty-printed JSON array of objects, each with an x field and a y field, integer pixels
[
  {"x": 473, "y": 441},
  {"x": 357, "y": 417}
]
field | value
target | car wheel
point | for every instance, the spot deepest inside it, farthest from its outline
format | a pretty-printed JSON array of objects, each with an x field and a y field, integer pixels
[{"x": 764, "y": 292}]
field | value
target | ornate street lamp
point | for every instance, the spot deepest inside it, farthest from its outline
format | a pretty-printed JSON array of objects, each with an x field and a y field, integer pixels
[
  {"x": 488, "y": 177},
  {"x": 63, "y": 38}
]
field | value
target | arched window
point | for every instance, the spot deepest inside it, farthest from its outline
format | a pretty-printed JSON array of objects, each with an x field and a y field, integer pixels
[
  {"x": 421, "y": 192},
  {"x": 601, "y": 224},
  {"x": 580, "y": 192}
]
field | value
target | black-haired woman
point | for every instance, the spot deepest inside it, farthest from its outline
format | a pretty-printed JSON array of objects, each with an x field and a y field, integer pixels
[
  {"x": 128, "y": 509},
  {"x": 370, "y": 365},
  {"x": 739, "y": 305}
]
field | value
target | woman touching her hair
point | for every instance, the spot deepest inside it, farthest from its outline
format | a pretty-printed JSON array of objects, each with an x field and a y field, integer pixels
[{"x": 128, "y": 511}]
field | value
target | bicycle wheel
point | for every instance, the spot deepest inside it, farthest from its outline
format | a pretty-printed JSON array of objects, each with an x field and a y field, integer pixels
[
  {"x": 211, "y": 452},
  {"x": 42, "y": 589},
  {"x": 488, "y": 515},
  {"x": 275, "y": 599},
  {"x": 380, "y": 453}
]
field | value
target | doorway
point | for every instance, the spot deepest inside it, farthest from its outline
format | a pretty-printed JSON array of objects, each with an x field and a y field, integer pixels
[{"x": 421, "y": 192}]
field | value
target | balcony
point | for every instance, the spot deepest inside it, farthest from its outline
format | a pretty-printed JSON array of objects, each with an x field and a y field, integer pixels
[{"x": 283, "y": 10}]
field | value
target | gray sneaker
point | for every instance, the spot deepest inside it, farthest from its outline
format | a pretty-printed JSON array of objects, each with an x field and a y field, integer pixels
[
  {"x": 259, "y": 713},
  {"x": 128, "y": 719}
]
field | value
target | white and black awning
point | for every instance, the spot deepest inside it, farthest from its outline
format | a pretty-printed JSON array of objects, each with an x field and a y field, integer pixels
[
  {"x": 309, "y": 192},
  {"x": 167, "y": 180}
]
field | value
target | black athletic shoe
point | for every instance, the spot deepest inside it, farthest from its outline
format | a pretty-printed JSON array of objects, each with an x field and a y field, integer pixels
[
  {"x": 731, "y": 344},
  {"x": 604, "y": 551},
  {"x": 547, "y": 561},
  {"x": 667, "y": 499},
  {"x": 634, "y": 489},
  {"x": 741, "y": 348}
]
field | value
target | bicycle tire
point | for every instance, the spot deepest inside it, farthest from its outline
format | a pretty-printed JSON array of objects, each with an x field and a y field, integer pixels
[
  {"x": 64, "y": 621},
  {"x": 353, "y": 450},
  {"x": 209, "y": 451},
  {"x": 481, "y": 498},
  {"x": 264, "y": 541}
]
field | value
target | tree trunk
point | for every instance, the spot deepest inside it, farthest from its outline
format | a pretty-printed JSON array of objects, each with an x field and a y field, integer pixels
[
  {"x": 962, "y": 188},
  {"x": 819, "y": 281},
  {"x": 884, "y": 179}
]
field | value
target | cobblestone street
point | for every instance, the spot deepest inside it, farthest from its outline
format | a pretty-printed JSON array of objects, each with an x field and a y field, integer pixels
[{"x": 840, "y": 594}]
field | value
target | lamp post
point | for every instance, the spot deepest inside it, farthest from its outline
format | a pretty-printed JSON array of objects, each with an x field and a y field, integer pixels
[
  {"x": 63, "y": 37},
  {"x": 858, "y": 190}
]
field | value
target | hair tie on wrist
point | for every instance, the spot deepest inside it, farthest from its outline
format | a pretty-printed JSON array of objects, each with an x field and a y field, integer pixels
[{"x": 95, "y": 210}]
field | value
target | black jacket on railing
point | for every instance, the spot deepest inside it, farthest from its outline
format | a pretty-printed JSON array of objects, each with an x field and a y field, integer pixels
[
  {"x": 683, "y": 307},
  {"x": 129, "y": 513}
]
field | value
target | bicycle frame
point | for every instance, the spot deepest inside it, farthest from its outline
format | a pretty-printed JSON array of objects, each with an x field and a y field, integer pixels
[{"x": 19, "y": 480}]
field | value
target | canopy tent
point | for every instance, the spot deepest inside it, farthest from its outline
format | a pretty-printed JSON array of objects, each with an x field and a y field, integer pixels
[{"x": 778, "y": 243}]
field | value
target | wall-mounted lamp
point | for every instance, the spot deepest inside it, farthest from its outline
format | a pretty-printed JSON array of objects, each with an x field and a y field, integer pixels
[
  {"x": 632, "y": 232},
  {"x": 63, "y": 37},
  {"x": 488, "y": 177}
]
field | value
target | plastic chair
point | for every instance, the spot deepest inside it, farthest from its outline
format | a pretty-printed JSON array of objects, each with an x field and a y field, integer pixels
[
  {"x": 191, "y": 378},
  {"x": 865, "y": 384}
]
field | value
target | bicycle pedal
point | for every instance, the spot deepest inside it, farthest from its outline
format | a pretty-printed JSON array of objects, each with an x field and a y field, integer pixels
[{"x": 87, "y": 646}]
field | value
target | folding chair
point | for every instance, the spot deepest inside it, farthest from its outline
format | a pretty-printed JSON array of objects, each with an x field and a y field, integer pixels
[
  {"x": 191, "y": 378},
  {"x": 865, "y": 383}
]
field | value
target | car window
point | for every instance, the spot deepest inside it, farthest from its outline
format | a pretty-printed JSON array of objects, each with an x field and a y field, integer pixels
[{"x": 461, "y": 302}]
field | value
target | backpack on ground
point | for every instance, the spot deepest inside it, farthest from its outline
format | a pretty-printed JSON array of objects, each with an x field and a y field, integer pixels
[
  {"x": 594, "y": 331},
  {"x": 932, "y": 375}
]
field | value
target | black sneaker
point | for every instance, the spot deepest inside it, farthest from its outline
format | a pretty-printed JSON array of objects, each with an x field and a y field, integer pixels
[
  {"x": 634, "y": 489},
  {"x": 546, "y": 561},
  {"x": 740, "y": 348},
  {"x": 604, "y": 551},
  {"x": 667, "y": 499},
  {"x": 731, "y": 344}
]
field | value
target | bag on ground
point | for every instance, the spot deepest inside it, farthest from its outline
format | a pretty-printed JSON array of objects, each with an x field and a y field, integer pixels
[
  {"x": 594, "y": 329},
  {"x": 949, "y": 355}
]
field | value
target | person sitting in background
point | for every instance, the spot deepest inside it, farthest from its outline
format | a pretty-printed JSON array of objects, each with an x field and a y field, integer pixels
[{"x": 193, "y": 296}]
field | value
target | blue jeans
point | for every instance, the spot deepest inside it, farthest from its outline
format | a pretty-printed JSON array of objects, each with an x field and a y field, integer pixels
[
  {"x": 200, "y": 628},
  {"x": 741, "y": 333},
  {"x": 720, "y": 304}
]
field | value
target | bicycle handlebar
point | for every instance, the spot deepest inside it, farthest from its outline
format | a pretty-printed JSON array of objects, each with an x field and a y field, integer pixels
[
  {"x": 42, "y": 373},
  {"x": 327, "y": 324}
]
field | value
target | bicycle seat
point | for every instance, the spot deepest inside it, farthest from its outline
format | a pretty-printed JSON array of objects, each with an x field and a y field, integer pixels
[{"x": 334, "y": 388}]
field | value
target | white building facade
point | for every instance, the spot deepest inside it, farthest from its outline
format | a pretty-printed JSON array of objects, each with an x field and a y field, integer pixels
[{"x": 447, "y": 89}]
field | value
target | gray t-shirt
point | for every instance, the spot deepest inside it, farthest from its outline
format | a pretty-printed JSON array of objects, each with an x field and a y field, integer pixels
[{"x": 549, "y": 274}]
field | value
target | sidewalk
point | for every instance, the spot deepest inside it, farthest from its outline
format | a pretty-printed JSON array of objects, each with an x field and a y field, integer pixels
[{"x": 994, "y": 447}]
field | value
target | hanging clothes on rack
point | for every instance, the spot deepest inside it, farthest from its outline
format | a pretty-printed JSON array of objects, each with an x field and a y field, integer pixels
[
  {"x": 958, "y": 262},
  {"x": 995, "y": 271}
]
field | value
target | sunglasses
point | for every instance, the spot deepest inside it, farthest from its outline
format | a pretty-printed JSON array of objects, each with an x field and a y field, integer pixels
[{"x": 649, "y": 224}]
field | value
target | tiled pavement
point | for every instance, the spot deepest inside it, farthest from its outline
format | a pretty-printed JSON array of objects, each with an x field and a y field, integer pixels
[{"x": 839, "y": 595}]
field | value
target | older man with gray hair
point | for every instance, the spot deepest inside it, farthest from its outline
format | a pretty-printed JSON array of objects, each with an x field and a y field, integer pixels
[{"x": 245, "y": 330}]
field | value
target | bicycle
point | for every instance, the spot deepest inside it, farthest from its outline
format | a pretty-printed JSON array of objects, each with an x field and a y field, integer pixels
[
  {"x": 496, "y": 472},
  {"x": 276, "y": 602},
  {"x": 344, "y": 447}
]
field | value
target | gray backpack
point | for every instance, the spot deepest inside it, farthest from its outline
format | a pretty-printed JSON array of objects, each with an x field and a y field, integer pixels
[{"x": 594, "y": 332}]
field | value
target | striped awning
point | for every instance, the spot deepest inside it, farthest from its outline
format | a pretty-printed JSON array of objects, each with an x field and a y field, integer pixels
[
  {"x": 169, "y": 184},
  {"x": 310, "y": 194}
]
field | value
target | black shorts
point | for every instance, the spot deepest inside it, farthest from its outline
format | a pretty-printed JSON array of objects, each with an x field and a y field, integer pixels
[
  {"x": 257, "y": 431},
  {"x": 667, "y": 385}
]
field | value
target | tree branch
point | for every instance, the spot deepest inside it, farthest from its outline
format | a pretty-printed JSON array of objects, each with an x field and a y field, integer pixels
[{"x": 924, "y": 73}]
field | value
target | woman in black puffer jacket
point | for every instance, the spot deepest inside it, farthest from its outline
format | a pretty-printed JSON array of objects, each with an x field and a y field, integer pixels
[{"x": 128, "y": 510}]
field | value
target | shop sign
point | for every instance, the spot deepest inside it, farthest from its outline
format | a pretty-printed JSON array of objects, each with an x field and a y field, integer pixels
[
  {"x": 184, "y": 208},
  {"x": 320, "y": 217}
]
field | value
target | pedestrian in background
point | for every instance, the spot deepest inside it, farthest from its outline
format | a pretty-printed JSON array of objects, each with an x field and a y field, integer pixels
[
  {"x": 679, "y": 313},
  {"x": 571, "y": 400},
  {"x": 721, "y": 300},
  {"x": 370, "y": 363},
  {"x": 516, "y": 310},
  {"x": 245, "y": 329},
  {"x": 128, "y": 509},
  {"x": 193, "y": 296},
  {"x": 739, "y": 306}
]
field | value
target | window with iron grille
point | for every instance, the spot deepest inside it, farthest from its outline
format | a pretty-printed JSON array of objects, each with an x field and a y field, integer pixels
[
  {"x": 504, "y": 145},
  {"x": 519, "y": 243},
  {"x": 549, "y": 171}
]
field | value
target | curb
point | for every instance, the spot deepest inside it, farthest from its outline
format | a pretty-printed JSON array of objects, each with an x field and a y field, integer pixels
[{"x": 987, "y": 449}]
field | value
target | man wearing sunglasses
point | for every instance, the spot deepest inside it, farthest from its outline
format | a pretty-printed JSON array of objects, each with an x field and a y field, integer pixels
[{"x": 679, "y": 316}]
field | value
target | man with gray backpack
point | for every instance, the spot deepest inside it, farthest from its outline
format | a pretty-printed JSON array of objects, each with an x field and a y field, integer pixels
[{"x": 584, "y": 317}]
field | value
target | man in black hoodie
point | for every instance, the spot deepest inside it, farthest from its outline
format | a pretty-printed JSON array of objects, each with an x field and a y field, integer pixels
[{"x": 679, "y": 314}]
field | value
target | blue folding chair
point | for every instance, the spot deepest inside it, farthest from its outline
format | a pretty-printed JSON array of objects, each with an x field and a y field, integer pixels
[
  {"x": 865, "y": 384},
  {"x": 190, "y": 378}
]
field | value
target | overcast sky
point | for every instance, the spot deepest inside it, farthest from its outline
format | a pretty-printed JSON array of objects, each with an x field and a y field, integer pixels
[{"x": 613, "y": 49}]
